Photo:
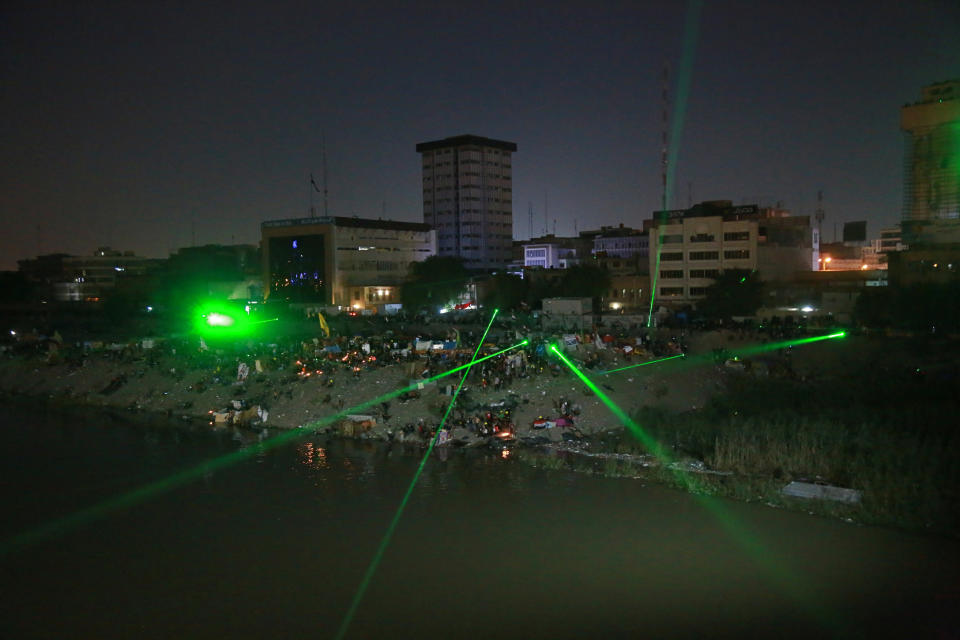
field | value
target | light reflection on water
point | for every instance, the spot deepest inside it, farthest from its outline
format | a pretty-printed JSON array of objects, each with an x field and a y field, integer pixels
[{"x": 488, "y": 547}]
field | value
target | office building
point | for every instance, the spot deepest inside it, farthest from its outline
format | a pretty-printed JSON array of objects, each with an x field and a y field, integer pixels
[
  {"x": 355, "y": 262},
  {"x": 697, "y": 244}
]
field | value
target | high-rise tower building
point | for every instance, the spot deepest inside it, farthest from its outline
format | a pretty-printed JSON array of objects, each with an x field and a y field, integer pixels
[
  {"x": 931, "y": 193},
  {"x": 468, "y": 198}
]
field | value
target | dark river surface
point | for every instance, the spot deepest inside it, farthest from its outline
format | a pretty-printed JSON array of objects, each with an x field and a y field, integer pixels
[{"x": 276, "y": 545}]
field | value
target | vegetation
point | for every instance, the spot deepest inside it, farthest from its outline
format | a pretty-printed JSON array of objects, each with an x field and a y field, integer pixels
[
  {"x": 888, "y": 432},
  {"x": 924, "y": 308},
  {"x": 585, "y": 280},
  {"x": 892, "y": 438},
  {"x": 736, "y": 292},
  {"x": 434, "y": 282},
  {"x": 506, "y": 292}
]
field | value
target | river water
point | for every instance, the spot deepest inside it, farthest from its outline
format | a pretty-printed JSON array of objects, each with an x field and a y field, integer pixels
[{"x": 276, "y": 546}]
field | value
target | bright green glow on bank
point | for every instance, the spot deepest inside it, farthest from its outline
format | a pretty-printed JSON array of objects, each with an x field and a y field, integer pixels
[
  {"x": 788, "y": 580},
  {"x": 140, "y": 494},
  {"x": 219, "y": 320},
  {"x": 375, "y": 562},
  {"x": 642, "y": 364}
]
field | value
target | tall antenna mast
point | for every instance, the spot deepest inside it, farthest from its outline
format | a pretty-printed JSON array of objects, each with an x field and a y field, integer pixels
[
  {"x": 530, "y": 215},
  {"x": 323, "y": 147},
  {"x": 546, "y": 227},
  {"x": 665, "y": 104},
  {"x": 820, "y": 215}
]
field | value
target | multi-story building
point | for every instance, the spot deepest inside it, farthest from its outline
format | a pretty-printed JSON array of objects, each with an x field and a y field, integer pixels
[
  {"x": 468, "y": 198},
  {"x": 67, "y": 278},
  {"x": 891, "y": 240},
  {"x": 621, "y": 242},
  {"x": 354, "y": 262},
  {"x": 621, "y": 250},
  {"x": 695, "y": 245},
  {"x": 931, "y": 208},
  {"x": 552, "y": 252}
]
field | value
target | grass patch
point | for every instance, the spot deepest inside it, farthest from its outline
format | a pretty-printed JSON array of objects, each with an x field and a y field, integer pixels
[{"x": 892, "y": 438}]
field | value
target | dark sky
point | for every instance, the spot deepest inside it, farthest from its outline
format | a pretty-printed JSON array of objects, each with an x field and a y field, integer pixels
[{"x": 149, "y": 127}]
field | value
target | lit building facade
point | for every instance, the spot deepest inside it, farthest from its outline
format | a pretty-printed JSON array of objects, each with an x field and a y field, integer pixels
[
  {"x": 931, "y": 207},
  {"x": 355, "y": 262},
  {"x": 468, "y": 198},
  {"x": 695, "y": 245}
]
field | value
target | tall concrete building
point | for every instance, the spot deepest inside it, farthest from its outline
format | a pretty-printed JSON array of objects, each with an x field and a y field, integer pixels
[
  {"x": 468, "y": 198},
  {"x": 931, "y": 209}
]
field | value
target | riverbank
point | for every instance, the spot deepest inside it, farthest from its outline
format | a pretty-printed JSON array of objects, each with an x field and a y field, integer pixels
[{"x": 814, "y": 414}]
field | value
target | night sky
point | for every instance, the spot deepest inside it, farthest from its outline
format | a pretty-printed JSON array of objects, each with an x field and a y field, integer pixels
[{"x": 153, "y": 127}]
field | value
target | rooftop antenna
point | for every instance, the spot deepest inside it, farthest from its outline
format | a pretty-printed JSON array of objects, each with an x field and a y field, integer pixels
[
  {"x": 313, "y": 187},
  {"x": 554, "y": 226},
  {"x": 574, "y": 226},
  {"x": 530, "y": 215},
  {"x": 690, "y": 195}
]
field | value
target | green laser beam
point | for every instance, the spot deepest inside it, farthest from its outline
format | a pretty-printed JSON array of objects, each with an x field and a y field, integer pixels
[
  {"x": 649, "y": 443},
  {"x": 381, "y": 549},
  {"x": 750, "y": 543},
  {"x": 685, "y": 72},
  {"x": 140, "y": 494},
  {"x": 642, "y": 364},
  {"x": 741, "y": 352},
  {"x": 756, "y": 349}
]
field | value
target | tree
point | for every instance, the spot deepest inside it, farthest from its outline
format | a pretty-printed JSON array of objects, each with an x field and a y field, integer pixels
[
  {"x": 506, "y": 291},
  {"x": 434, "y": 282},
  {"x": 736, "y": 292},
  {"x": 586, "y": 281}
]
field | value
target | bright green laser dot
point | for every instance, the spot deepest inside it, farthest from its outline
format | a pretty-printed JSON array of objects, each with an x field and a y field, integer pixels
[
  {"x": 381, "y": 549},
  {"x": 219, "y": 320},
  {"x": 131, "y": 498}
]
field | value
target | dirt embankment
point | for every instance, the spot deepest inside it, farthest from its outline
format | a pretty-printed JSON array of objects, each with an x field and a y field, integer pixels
[{"x": 177, "y": 386}]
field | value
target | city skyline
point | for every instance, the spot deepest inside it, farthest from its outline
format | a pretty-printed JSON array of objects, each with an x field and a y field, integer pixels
[{"x": 150, "y": 130}]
